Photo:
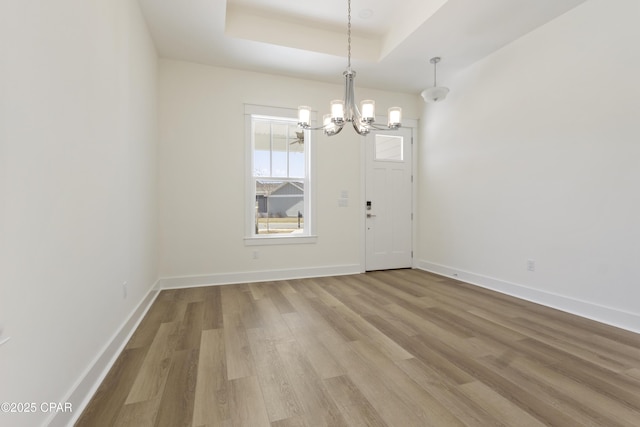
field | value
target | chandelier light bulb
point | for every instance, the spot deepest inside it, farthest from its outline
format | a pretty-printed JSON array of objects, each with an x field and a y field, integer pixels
[
  {"x": 395, "y": 117},
  {"x": 304, "y": 115},
  {"x": 337, "y": 110},
  {"x": 368, "y": 111}
]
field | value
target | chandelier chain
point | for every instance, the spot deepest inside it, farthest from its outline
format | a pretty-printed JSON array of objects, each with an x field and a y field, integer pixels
[{"x": 349, "y": 33}]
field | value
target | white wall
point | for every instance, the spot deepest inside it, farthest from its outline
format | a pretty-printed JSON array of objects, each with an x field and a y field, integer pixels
[
  {"x": 202, "y": 176},
  {"x": 536, "y": 155},
  {"x": 77, "y": 190}
]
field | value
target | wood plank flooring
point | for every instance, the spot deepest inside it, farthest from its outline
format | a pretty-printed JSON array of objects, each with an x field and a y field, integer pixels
[{"x": 389, "y": 348}]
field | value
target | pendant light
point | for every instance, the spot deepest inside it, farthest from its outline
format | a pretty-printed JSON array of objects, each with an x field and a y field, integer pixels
[{"x": 435, "y": 93}]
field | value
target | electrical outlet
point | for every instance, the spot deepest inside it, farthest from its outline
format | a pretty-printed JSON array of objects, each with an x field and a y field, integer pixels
[
  {"x": 125, "y": 290},
  {"x": 255, "y": 254},
  {"x": 531, "y": 265}
]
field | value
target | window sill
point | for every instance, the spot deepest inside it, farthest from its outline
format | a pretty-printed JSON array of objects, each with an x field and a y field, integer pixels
[{"x": 279, "y": 240}]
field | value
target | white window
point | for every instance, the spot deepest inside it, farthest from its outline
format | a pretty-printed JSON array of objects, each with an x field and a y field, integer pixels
[{"x": 279, "y": 194}]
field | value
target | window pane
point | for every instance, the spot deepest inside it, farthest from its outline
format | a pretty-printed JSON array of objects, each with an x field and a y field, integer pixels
[
  {"x": 296, "y": 154},
  {"x": 262, "y": 148},
  {"x": 279, "y": 147},
  {"x": 279, "y": 207},
  {"x": 389, "y": 147}
]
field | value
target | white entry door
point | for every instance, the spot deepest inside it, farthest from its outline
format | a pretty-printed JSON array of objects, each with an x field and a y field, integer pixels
[{"x": 388, "y": 190}]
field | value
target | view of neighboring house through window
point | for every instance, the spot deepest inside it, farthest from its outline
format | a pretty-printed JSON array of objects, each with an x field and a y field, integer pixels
[{"x": 279, "y": 174}]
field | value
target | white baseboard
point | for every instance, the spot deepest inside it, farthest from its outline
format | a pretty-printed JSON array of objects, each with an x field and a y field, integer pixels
[
  {"x": 257, "y": 276},
  {"x": 84, "y": 389},
  {"x": 589, "y": 310}
]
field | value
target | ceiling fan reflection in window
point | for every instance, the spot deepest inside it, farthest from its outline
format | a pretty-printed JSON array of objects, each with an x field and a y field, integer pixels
[{"x": 299, "y": 139}]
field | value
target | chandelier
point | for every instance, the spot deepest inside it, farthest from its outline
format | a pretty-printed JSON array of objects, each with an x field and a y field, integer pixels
[{"x": 345, "y": 110}]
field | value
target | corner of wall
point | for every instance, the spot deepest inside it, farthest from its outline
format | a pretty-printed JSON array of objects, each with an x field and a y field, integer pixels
[{"x": 82, "y": 392}]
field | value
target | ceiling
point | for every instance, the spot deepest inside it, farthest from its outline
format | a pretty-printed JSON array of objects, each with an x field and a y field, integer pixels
[{"x": 392, "y": 40}]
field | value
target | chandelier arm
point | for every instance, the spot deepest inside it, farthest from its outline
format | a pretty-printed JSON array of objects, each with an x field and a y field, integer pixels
[
  {"x": 338, "y": 130},
  {"x": 323, "y": 127},
  {"x": 359, "y": 131},
  {"x": 382, "y": 127},
  {"x": 351, "y": 107},
  {"x": 307, "y": 127},
  {"x": 348, "y": 93},
  {"x": 356, "y": 113}
]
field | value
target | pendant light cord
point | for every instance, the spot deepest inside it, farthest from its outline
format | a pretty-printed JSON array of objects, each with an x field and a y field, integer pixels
[{"x": 435, "y": 68}]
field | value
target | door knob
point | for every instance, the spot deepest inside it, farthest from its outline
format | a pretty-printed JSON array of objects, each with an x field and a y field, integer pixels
[{"x": 370, "y": 215}]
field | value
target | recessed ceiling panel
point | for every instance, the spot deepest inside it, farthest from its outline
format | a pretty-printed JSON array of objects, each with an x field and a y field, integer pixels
[
  {"x": 301, "y": 32},
  {"x": 392, "y": 40}
]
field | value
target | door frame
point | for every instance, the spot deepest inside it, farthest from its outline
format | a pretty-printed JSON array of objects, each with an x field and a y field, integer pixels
[{"x": 409, "y": 124}]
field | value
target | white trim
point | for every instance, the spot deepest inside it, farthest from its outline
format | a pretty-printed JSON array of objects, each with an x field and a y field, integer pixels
[
  {"x": 268, "y": 110},
  {"x": 249, "y": 213},
  {"x": 308, "y": 235},
  {"x": 414, "y": 191},
  {"x": 88, "y": 383},
  {"x": 363, "y": 210},
  {"x": 600, "y": 313},
  {"x": 285, "y": 239},
  {"x": 257, "y": 276},
  {"x": 265, "y": 110}
]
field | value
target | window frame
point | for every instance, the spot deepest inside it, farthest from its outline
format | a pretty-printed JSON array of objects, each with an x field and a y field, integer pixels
[{"x": 308, "y": 235}]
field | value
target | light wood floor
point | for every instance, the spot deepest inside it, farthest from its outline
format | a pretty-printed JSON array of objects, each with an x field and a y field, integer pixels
[{"x": 395, "y": 348}]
